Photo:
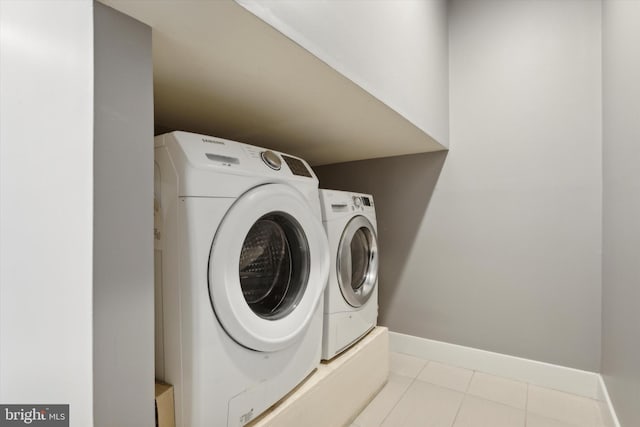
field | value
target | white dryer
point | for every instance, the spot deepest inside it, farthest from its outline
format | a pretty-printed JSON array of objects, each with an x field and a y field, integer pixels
[
  {"x": 351, "y": 297},
  {"x": 241, "y": 267}
]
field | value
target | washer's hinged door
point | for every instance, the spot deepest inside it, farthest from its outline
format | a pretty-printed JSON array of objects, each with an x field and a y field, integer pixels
[
  {"x": 268, "y": 267},
  {"x": 357, "y": 261}
]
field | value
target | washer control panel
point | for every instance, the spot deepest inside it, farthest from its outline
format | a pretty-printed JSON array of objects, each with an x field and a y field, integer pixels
[{"x": 207, "y": 152}]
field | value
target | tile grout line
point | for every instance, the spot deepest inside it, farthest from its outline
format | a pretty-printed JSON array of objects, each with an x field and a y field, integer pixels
[
  {"x": 397, "y": 401},
  {"x": 464, "y": 396},
  {"x": 403, "y": 393},
  {"x": 466, "y": 389}
]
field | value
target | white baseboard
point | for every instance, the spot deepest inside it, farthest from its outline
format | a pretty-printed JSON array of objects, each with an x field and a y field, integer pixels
[
  {"x": 608, "y": 411},
  {"x": 570, "y": 380}
]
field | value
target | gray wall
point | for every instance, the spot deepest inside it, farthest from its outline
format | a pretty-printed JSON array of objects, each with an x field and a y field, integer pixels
[
  {"x": 502, "y": 250},
  {"x": 404, "y": 66},
  {"x": 123, "y": 222},
  {"x": 46, "y": 198},
  {"x": 621, "y": 232}
]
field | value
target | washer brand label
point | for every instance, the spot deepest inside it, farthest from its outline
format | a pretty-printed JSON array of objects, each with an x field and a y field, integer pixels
[
  {"x": 34, "y": 415},
  {"x": 212, "y": 141}
]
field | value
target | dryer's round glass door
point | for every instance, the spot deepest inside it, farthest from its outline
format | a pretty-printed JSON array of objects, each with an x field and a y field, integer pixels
[
  {"x": 357, "y": 262},
  {"x": 274, "y": 265},
  {"x": 361, "y": 249}
]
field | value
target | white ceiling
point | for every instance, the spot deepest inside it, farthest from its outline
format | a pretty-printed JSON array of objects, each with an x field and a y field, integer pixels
[{"x": 221, "y": 71}]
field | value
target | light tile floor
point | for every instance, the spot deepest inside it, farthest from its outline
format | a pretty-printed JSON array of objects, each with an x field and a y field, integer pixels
[{"x": 420, "y": 393}]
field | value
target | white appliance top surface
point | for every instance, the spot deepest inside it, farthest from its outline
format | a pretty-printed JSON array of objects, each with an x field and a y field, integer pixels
[{"x": 214, "y": 154}]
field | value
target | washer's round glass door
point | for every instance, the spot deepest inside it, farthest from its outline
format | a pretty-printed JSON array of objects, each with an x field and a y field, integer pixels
[
  {"x": 274, "y": 265},
  {"x": 357, "y": 261},
  {"x": 268, "y": 267}
]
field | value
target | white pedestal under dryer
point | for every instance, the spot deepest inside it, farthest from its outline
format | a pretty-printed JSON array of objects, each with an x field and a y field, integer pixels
[
  {"x": 241, "y": 267},
  {"x": 351, "y": 297}
]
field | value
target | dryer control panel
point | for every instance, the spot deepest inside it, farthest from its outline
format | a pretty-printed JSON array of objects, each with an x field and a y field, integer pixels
[
  {"x": 361, "y": 202},
  {"x": 338, "y": 203}
]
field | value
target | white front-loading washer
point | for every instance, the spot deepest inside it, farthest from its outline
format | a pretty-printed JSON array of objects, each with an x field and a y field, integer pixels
[
  {"x": 351, "y": 297},
  {"x": 241, "y": 267}
]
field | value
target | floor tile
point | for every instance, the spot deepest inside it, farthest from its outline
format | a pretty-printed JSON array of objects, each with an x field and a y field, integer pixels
[
  {"x": 565, "y": 407},
  {"x": 446, "y": 376},
  {"x": 384, "y": 402},
  {"x": 477, "y": 412},
  {"x": 425, "y": 405},
  {"x": 534, "y": 420},
  {"x": 403, "y": 364},
  {"x": 499, "y": 389}
]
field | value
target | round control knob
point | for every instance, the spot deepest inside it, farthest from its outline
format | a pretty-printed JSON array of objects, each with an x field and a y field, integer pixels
[
  {"x": 271, "y": 159},
  {"x": 357, "y": 201}
]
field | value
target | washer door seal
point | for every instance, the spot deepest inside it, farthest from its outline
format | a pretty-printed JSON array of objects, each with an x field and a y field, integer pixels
[
  {"x": 274, "y": 265},
  {"x": 268, "y": 267}
]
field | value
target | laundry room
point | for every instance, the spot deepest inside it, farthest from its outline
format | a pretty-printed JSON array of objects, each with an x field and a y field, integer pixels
[{"x": 322, "y": 213}]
